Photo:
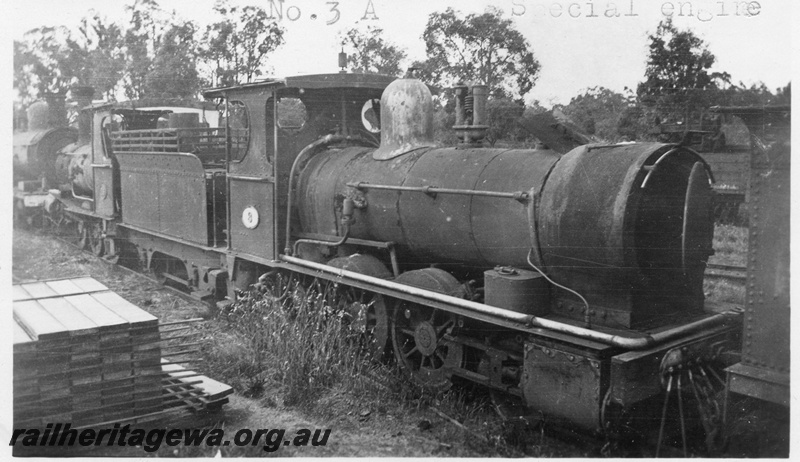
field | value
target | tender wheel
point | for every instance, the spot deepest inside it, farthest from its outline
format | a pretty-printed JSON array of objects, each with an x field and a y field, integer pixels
[
  {"x": 422, "y": 347},
  {"x": 169, "y": 270},
  {"x": 83, "y": 235},
  {"x": 110, "y": 250},
  {"x": 369, "y": 317},
  {"x": 160, "y": 267},
  {"x": 96, "y": 240}
]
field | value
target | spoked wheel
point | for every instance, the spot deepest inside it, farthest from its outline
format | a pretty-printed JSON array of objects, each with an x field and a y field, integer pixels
[
  {"x": 368, "y": 316},
  {"x": 83, "y": 238},
  {"x": 170, "y": 270},
  {"x": 283, "y": 288},
  {"x": 110, "y": 250},
  {"x": 96, "y": 239},
  {"x": 420, "y": 338},
  {"x": 160, "y": 267}
]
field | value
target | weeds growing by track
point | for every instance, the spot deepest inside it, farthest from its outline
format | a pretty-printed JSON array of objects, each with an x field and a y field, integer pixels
[{"x": 303, "y": 349}]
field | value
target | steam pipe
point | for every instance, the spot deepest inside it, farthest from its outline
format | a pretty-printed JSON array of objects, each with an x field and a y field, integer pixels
[{"x": 640, "y": 342}]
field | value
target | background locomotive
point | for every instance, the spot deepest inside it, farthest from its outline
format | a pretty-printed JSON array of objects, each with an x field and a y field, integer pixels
[{"x": 572, "y": 281}]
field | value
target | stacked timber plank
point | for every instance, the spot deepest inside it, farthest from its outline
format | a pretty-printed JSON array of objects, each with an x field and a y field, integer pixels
[{"x": 85, "y": 355}]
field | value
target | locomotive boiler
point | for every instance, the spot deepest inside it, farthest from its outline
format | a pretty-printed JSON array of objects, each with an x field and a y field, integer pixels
[
  {"x": 35, "y": 149},
  {"x": 626, "y": 227}
]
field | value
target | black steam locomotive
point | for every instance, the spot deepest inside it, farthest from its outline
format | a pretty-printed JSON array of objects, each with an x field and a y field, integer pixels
[{"x": 573, "y": 281}]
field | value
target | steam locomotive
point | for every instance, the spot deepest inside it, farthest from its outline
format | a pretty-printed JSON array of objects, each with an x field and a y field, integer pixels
[{"x": 570, "y": 280}]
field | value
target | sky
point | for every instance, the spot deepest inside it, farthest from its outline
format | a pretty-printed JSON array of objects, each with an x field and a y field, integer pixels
[{"x": 579, "y": 43}]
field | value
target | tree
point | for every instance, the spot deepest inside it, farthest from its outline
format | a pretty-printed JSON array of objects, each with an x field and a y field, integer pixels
[
  {"x": 236, "y": 47},
  {"x": 502, "y": 117},
  {"x": 173, "y": 73},
  {"x": 140, "y": 41},
  {"x": 756, "y": 95},
  {"x": 481, "y": 48},
  {"x": 369, "y": 53},
  {"x": 96, "y": 57},
  {"x": 678, "y": 80},
  {"x": 597, "y": 112},
  {"x": 635, "y": 123},
  {"x": 39, "y": 63}
]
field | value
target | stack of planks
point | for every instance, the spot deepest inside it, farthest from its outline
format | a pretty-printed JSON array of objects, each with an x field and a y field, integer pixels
[{"x": 85, "y": 355}]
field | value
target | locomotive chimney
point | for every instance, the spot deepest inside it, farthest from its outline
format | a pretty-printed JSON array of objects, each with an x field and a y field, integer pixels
[{"x": 82, "y": 96}]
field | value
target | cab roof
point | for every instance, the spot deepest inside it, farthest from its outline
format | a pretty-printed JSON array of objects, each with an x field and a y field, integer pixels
[{"x": 313, "y": 81}]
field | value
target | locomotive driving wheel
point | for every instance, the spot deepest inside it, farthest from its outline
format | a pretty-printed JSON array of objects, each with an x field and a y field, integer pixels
[
  {"x": 422, "y": 342},
  {"x": 368, "y": 317},
  {"x": 283, "y": 288}
]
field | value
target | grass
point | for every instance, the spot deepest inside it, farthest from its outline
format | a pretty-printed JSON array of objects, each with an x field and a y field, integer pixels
[
  {"x": 303, "y": 353},
  {"x": 303, "y": 348}
]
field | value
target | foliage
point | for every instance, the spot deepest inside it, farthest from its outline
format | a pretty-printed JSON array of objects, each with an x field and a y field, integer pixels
[
  {"x": 369, "y": 53},
  {"x": 635, "y": 123},
  {"x": 37, "y": 63},
  {"x": 291, "y": 113},
  {"x": 236, "y": 47},
  {"x": 598, "y": 112},
  {"x": 756, "y": 95},
  {"x": 678, "y": 76},
  {"x": 173, "y": 73},
  {"x": 141, "y": 40},
  {"x": 502, "y": 115},
  {"x": 302, "y": 344},
  {"x": 478, "y": 48},
  {"x": 51, "y": 59},
  {"x": 444, "y": 117}
]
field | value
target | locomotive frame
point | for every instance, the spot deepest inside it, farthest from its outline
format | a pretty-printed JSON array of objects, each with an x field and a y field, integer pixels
[{"x": 211, "y": 208}]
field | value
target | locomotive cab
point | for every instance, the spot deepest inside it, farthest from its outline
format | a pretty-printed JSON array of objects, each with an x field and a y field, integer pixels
[{"x": 295, "y": 112}]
